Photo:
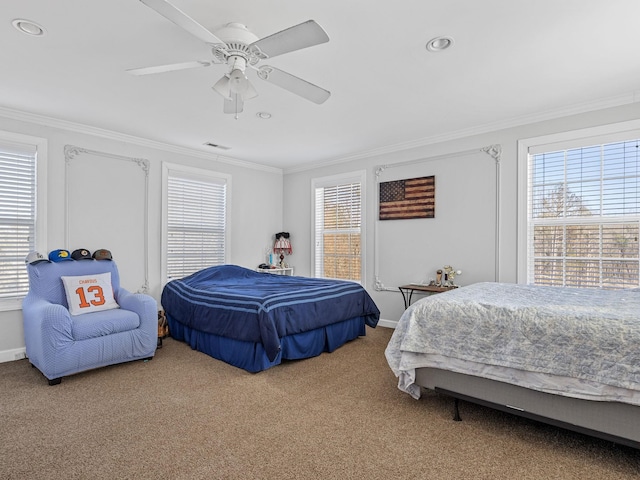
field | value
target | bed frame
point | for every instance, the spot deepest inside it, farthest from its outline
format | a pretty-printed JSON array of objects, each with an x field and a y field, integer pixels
[{"x": 613, "y": 421}]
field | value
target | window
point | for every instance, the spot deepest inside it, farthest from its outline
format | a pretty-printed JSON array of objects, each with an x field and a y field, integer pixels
[
  {"x": 338, "y": 235},
  {"x": 583, "y": 214},
  {"x": 22, "y": 214},
  {"x": 195, "y": 228}
]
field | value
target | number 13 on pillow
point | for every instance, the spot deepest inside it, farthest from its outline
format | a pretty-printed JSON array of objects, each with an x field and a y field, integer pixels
[
  {"x": 95, "y": 291},
  {"x": 89, "y": 293}
]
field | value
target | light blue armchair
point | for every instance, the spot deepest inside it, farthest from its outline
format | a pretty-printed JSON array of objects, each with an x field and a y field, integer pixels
[{"x": 60, "y": 344}]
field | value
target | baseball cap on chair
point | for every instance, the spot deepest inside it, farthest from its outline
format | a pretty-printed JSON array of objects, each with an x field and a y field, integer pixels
[
  {"x": 102, "y": 254},
  {"x": 81, "y": 254},
  {"x": 35, "y": 257},
  {"x": 59, "y": 255}
]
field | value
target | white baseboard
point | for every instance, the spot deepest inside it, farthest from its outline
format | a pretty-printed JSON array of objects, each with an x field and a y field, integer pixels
[
  {"x": 387, "y": 323},
  {"x": 13, "y": 354}
]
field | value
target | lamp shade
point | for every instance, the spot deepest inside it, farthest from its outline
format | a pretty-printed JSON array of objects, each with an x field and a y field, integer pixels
[{"x": 282, "y": 243}]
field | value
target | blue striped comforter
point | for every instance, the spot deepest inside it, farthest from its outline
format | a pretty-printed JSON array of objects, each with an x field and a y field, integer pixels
[{"x": 238, "y": 303}]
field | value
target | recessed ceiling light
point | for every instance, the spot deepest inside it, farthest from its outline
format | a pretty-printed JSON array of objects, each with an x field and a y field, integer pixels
[
  {"x": 28, "y": 27},
  {"x": 439, "y": 44},
  {"x": 263, "y": 115}
]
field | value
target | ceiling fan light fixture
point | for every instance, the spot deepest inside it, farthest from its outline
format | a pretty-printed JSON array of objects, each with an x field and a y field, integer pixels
[
  {"x": 238, "y": 82},
  {"x": 222, "y": 87},
  {"x": 439, "y": 44},
  {"x": 238, "y": 47}
]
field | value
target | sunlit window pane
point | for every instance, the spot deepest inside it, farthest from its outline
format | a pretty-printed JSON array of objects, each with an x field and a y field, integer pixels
[
  {"x": 584, "y": 221},
  {"x": 338, "y": 226}
]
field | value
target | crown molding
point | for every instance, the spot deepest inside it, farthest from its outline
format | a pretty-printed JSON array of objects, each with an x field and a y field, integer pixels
[
  {"x": 123, "y": 137},
  {"x": 600, "y": 104},
  {"x": 575, "y": 109}
]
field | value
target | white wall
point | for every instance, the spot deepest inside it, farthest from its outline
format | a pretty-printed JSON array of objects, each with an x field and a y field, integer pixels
[
  {"x": 286, "y": 203},
  {"x": 255, "y": 216},
  {"x": 428, "y": 250}
]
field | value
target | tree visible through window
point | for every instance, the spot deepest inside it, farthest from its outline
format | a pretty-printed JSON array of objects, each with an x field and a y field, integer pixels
[
  {"x": 338, "y": 231},
  {"x": 584, "y": 214}
]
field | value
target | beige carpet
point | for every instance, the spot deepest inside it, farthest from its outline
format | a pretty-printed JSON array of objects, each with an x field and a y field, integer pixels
[{"x": 336, "y": 416}]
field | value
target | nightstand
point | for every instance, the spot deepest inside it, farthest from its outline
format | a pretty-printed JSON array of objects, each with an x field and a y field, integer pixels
[
  {"x": 277, "y": 271},
  {"x": 407, "y": 291}
]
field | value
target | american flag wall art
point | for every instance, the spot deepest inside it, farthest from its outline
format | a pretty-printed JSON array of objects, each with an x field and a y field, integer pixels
[{"x": 410, "y": 198}]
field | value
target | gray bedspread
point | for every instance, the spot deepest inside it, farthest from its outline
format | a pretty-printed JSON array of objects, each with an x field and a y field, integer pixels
[{"x": 585, "y": 334}]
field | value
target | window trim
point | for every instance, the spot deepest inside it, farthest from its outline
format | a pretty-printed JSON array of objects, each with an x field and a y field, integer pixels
[
  {"x": 562, "y": 140},
  {"x": 167, "y": 170},
  {"x": 40, "y": 243},
  {"x": 330, "y": 181}
]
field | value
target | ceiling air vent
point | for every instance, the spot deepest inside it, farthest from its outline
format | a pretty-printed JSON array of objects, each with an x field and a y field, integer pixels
[{"x": 215, "y": 145}]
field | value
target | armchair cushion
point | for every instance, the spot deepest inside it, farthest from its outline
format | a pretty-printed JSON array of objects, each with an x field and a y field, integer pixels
[
  {"x": 89, "y": 293},
  {"x": 98, "y": 324}
]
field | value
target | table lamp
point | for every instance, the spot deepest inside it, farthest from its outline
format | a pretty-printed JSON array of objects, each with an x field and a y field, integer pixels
[{"x": 282, "y": 246}]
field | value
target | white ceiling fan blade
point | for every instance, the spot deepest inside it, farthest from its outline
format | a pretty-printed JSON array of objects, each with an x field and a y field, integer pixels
[
  {"x": 294, "y": 84},
  {"x": 306, "y": 34},
  {"x": 181, "y": 19},
  {"x": 233, "y": 104},
  {"x": 167, "y": 68}
]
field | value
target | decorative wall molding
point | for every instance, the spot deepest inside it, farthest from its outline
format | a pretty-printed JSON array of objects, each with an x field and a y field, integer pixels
[
  {"x": 123, "y": 137},
  {"x": 493, "y": 151},
  {"x": 73, "y": 153}
]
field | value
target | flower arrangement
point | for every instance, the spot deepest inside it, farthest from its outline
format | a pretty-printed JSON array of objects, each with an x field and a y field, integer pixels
[{"x": 449, "y": 276}]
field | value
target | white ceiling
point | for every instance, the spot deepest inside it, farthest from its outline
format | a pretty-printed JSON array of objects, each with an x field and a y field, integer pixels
[{"x": 512, "y": 61}]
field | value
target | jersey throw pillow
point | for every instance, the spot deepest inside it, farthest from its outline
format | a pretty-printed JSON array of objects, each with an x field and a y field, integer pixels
[{"x": 89, "y": 293}]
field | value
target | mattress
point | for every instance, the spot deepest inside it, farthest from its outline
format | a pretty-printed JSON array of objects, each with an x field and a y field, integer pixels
[{"x": 567, "y": 341}]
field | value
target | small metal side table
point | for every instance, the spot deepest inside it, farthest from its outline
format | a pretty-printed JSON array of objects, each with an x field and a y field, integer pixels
[{"x": 407, "y": 291}]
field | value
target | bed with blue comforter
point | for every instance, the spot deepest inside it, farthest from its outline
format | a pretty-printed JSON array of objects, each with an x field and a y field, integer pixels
[{"x": 255, "y": 320}]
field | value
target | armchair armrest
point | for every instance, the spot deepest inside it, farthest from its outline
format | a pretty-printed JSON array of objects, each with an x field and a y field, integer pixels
[
  {"x": 143, "y": 305},
  {"x": 47, "y": 326}
]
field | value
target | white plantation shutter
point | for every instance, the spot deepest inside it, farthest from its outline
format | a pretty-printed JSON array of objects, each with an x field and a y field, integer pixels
[
  {"x": 338, "y": 231},
  {"x": 583, "y": 216},
  {"x": 196, "y": 223},
  {"x": 17, "y": 216}
]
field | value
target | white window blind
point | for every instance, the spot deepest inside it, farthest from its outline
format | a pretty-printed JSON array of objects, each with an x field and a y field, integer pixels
[
  {"x": 338, "y": 231},
  {"x": 17, "y": 216},
  {"x": 583, "y": 216},
  {"x": 196, "y": 223}
]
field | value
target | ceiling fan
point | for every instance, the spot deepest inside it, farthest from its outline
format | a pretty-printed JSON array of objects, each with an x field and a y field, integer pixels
[{"x": 238, "y": 48}]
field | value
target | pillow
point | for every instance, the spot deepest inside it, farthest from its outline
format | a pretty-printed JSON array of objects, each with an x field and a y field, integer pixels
[{"x": 89, "y": 293}]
